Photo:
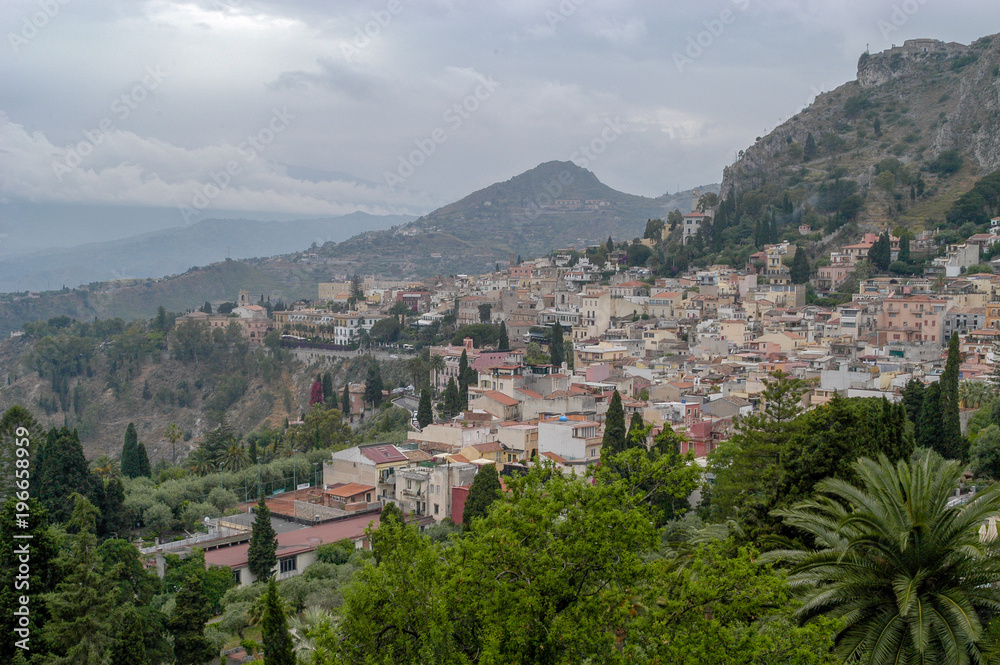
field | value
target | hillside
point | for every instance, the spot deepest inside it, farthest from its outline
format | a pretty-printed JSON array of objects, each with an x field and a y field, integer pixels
[
  {"x": 288, "y": 279},
  {"x": 919, "y": 124},
  {"x": 553, "y": 205},
  {"x": 174, "y": 250}
]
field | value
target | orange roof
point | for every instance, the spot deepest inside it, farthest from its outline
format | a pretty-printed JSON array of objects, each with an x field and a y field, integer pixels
[
  {"x": 501, "y": 398},
  {"x": 350, "y": 489}
]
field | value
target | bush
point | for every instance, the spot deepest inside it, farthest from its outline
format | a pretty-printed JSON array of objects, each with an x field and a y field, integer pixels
[{"x": 159, "y": 518}]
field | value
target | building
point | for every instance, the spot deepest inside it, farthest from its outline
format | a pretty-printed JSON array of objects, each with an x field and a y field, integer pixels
[{"x": 372, "y": 465}]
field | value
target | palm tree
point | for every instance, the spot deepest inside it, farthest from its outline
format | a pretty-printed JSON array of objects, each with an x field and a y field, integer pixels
[
  {"x": 907, "y": 574},
  {"x": 234, "y": 458},
  {"x": 418, "y": 370},
  {"x": 200, "y": 462},
  {"x": 106, "y": 468},
  {"x": 435, "y": 364},
  {"x": 173, "y": 435},
  {"x": 973, "y": 394}
]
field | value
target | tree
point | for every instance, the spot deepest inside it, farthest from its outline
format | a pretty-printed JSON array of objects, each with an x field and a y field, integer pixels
[
  {"x": 142, "y": 460},
  {"x": 556, "y": 352},
  {"x": 322, "y": 427},
  {"x": 809, "y": 151},
  {"x": 913, "y": 401},
  {"x": 637, "y": 431},
  {"x": 128, "y": 646},
  {"x": 316, "y": 392},
  {"x": 207, "y": 307},
  {"x": 41, "y": 577},
  {"x": 328, "y": 395},
  {"x": 464, "y": 379},
  {"x": 610, "y": 245},
  {"x": 18, "y": 430},
  {"x": 504, "y": 343},
  {"x": 262, "y": 556},
  {"x": 425, "y": 415},
  {"x": 909, "y": 577},
  {"x": 904, "y": 246},
  {"x": 173, "y": 435},
  {"x": 880, "y": 253},
  {"x": 800, "y": 267},
  {"x": 484, "y": 491},
  {"x": 985, "y": 453},
  {"x": 130, "y": 453},
  {"x": 345, "y": 401},
  {"x": 274, "y": 634},
  {"x": 654, "y": 229},
  {"x": 952, "y": 444},
  {"x": 79, "y": 627},
  {"x": 451, "y": 405},
  {"x": 187, "y": 624},
  {"x": 614, "y": 439},
  {"x": 60, "y": 471},
  {"x": 373, "y": 384}
]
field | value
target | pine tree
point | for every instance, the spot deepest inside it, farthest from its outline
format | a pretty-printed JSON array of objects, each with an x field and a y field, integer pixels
[
  {"x": 274, "y": 634},
  {"x": 425, "y": 414},
  {"x": 952, "y": 445},
  {"x": 128, "y": 646},
  {"x": 556, "y": 353},
  {"x": 187, "y": 624},
  {"x": 800, "y": 267},
  {"x": 262, "y": 556},
  {"x": 614, "y": 427},
  {"x": 79, "y": 626},
  {"x": 484, "y": 491},
  {"x": 504, "y": 344},
  {"x": 130, "y": 454}
]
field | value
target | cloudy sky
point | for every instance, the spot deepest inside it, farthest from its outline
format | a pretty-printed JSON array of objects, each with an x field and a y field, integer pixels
[{"x": 398, "y": 106}]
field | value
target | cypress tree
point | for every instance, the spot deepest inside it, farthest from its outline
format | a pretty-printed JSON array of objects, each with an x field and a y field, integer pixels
[
  {"x": 635, "y": 424},
  {"x": 328, "y": 394},
  {"x": 142, "y": 460},
  {"x": 451, "y": 399},
  {"x": 187, "y": 624},
  {"x": 345, "y": 401},
  {"x": 128, "y": 646},
  {"x": 373, "y": 384},
  {"x": 913, "y": 401},
  {"x": 130, "y": 456},
  {"x": 614, "y": 427},
  {"x": 504, "y": 344},
  {"x": 930, "y": 434},
  {"x": 809, "y": 151},
  {"x": 463, "y": 382},
  {"x": 262, "y": 556},
  {"x": 610, "y": 245},
  {"x": 274, "y": 634},
  {"x": 425, "y": 415},
  {"x": 484, "y": 491},
  {"x": 556, "y": 353},
  {"x": 800, "y": 267},
  {"x": 952, "y": 444}
]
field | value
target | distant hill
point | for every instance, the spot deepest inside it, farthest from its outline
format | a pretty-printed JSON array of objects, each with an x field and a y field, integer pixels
[
  {"x": 172, "y": 251},
  {"x": 912, "y": 133},
  {"x": 554, "y": 205}
]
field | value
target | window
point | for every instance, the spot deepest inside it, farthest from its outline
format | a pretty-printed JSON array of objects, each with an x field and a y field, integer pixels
[
  {"x": 287, "y": 565},
  {"x": 238, "y": 575},
  {"x": 436, "y": 508}
]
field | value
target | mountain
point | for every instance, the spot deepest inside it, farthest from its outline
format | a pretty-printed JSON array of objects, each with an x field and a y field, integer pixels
[
  {"x": 174, "y": 250},
  {"x": 898, "y": 145},
  {"x": 554, "y": 205}
]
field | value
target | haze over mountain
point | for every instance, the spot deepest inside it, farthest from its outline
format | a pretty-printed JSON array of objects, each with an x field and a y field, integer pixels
[{"x": 174, "y": 250}]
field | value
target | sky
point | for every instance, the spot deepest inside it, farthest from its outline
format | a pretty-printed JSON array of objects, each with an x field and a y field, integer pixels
[{"x": 324, "y": 107}]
